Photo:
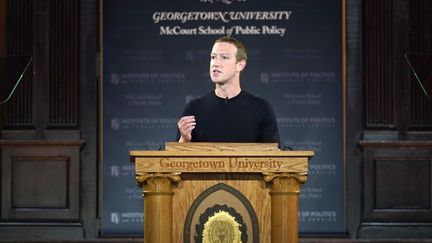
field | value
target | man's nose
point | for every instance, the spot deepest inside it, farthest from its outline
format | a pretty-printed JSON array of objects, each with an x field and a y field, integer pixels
[{"x": 216, "y": 62}]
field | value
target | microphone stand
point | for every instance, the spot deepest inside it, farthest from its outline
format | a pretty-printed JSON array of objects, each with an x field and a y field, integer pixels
[{"x": 17, "y": 83}]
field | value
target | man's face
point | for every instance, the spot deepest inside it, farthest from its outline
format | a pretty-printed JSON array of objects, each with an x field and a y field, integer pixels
[{"x": 224, "y": 67}]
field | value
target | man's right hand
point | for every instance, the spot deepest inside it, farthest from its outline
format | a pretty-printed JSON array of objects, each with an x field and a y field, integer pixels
[{"x": 185, "y": 125}]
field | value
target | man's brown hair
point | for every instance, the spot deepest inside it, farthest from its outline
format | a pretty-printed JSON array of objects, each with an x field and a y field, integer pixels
[{"x": 241, "y": 49}]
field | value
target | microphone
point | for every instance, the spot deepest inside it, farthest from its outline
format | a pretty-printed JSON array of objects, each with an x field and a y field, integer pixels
[
  {"x": 286, "y": 147},
  {"x": 226, "y": 100}
]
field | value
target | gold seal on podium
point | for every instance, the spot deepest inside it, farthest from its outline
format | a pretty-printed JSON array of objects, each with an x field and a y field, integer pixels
[{"x": 221, "y": 228}]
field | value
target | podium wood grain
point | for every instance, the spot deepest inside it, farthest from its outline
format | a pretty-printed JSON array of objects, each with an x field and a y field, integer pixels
[
  {"x": 172, "y": 179},
  {"x": 253, "y": 189}
]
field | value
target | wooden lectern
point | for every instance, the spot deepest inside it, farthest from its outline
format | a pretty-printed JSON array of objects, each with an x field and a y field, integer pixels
[{"x": 173, "y": 179}]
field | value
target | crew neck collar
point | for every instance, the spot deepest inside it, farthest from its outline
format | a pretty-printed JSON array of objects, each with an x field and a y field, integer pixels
[{"x": 230, "y": 99}]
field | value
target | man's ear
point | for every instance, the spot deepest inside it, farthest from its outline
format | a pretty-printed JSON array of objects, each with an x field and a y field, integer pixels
[{"x": 241, "y": 65}]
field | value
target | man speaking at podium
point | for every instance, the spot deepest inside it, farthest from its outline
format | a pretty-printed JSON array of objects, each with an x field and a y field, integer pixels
[{"x": 228, "y": 114}]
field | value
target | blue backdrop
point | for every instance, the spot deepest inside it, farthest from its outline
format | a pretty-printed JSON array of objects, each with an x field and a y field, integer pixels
[{"x": 156, "y": 59}]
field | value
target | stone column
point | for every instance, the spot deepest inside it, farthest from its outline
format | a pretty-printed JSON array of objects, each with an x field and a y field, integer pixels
[
  {"x": 158, "y": 208},
  {"x": 285, "y": 188}
]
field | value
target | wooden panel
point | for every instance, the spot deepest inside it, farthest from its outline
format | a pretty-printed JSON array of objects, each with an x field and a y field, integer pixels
[
  {"x": 261, "y": 189},
  {"x": 2, "y": 58},
  {"x": 421, "y": 48},
  {"x": 41, "y": 68},
  {"x": 40, "y": 182},
  {"x": 397, "y": 189},
  {"x": 255, "y": 190},
  {"x": 378, "y": 63},
  {"x": 48, "y": 31},
  {"x": 19, "y": 48},
  {"x": 393, "y": 98},
  {"x": 397, "y": 182},
  {"x": 402, "y": 183},
  {"x": 47, "y": 219},
  {"x": 222, "y": 164},
  {"x": 64, "y": 60},
  {"x": 2, "y": 29},
  {"x": 201, "y": 146}
]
